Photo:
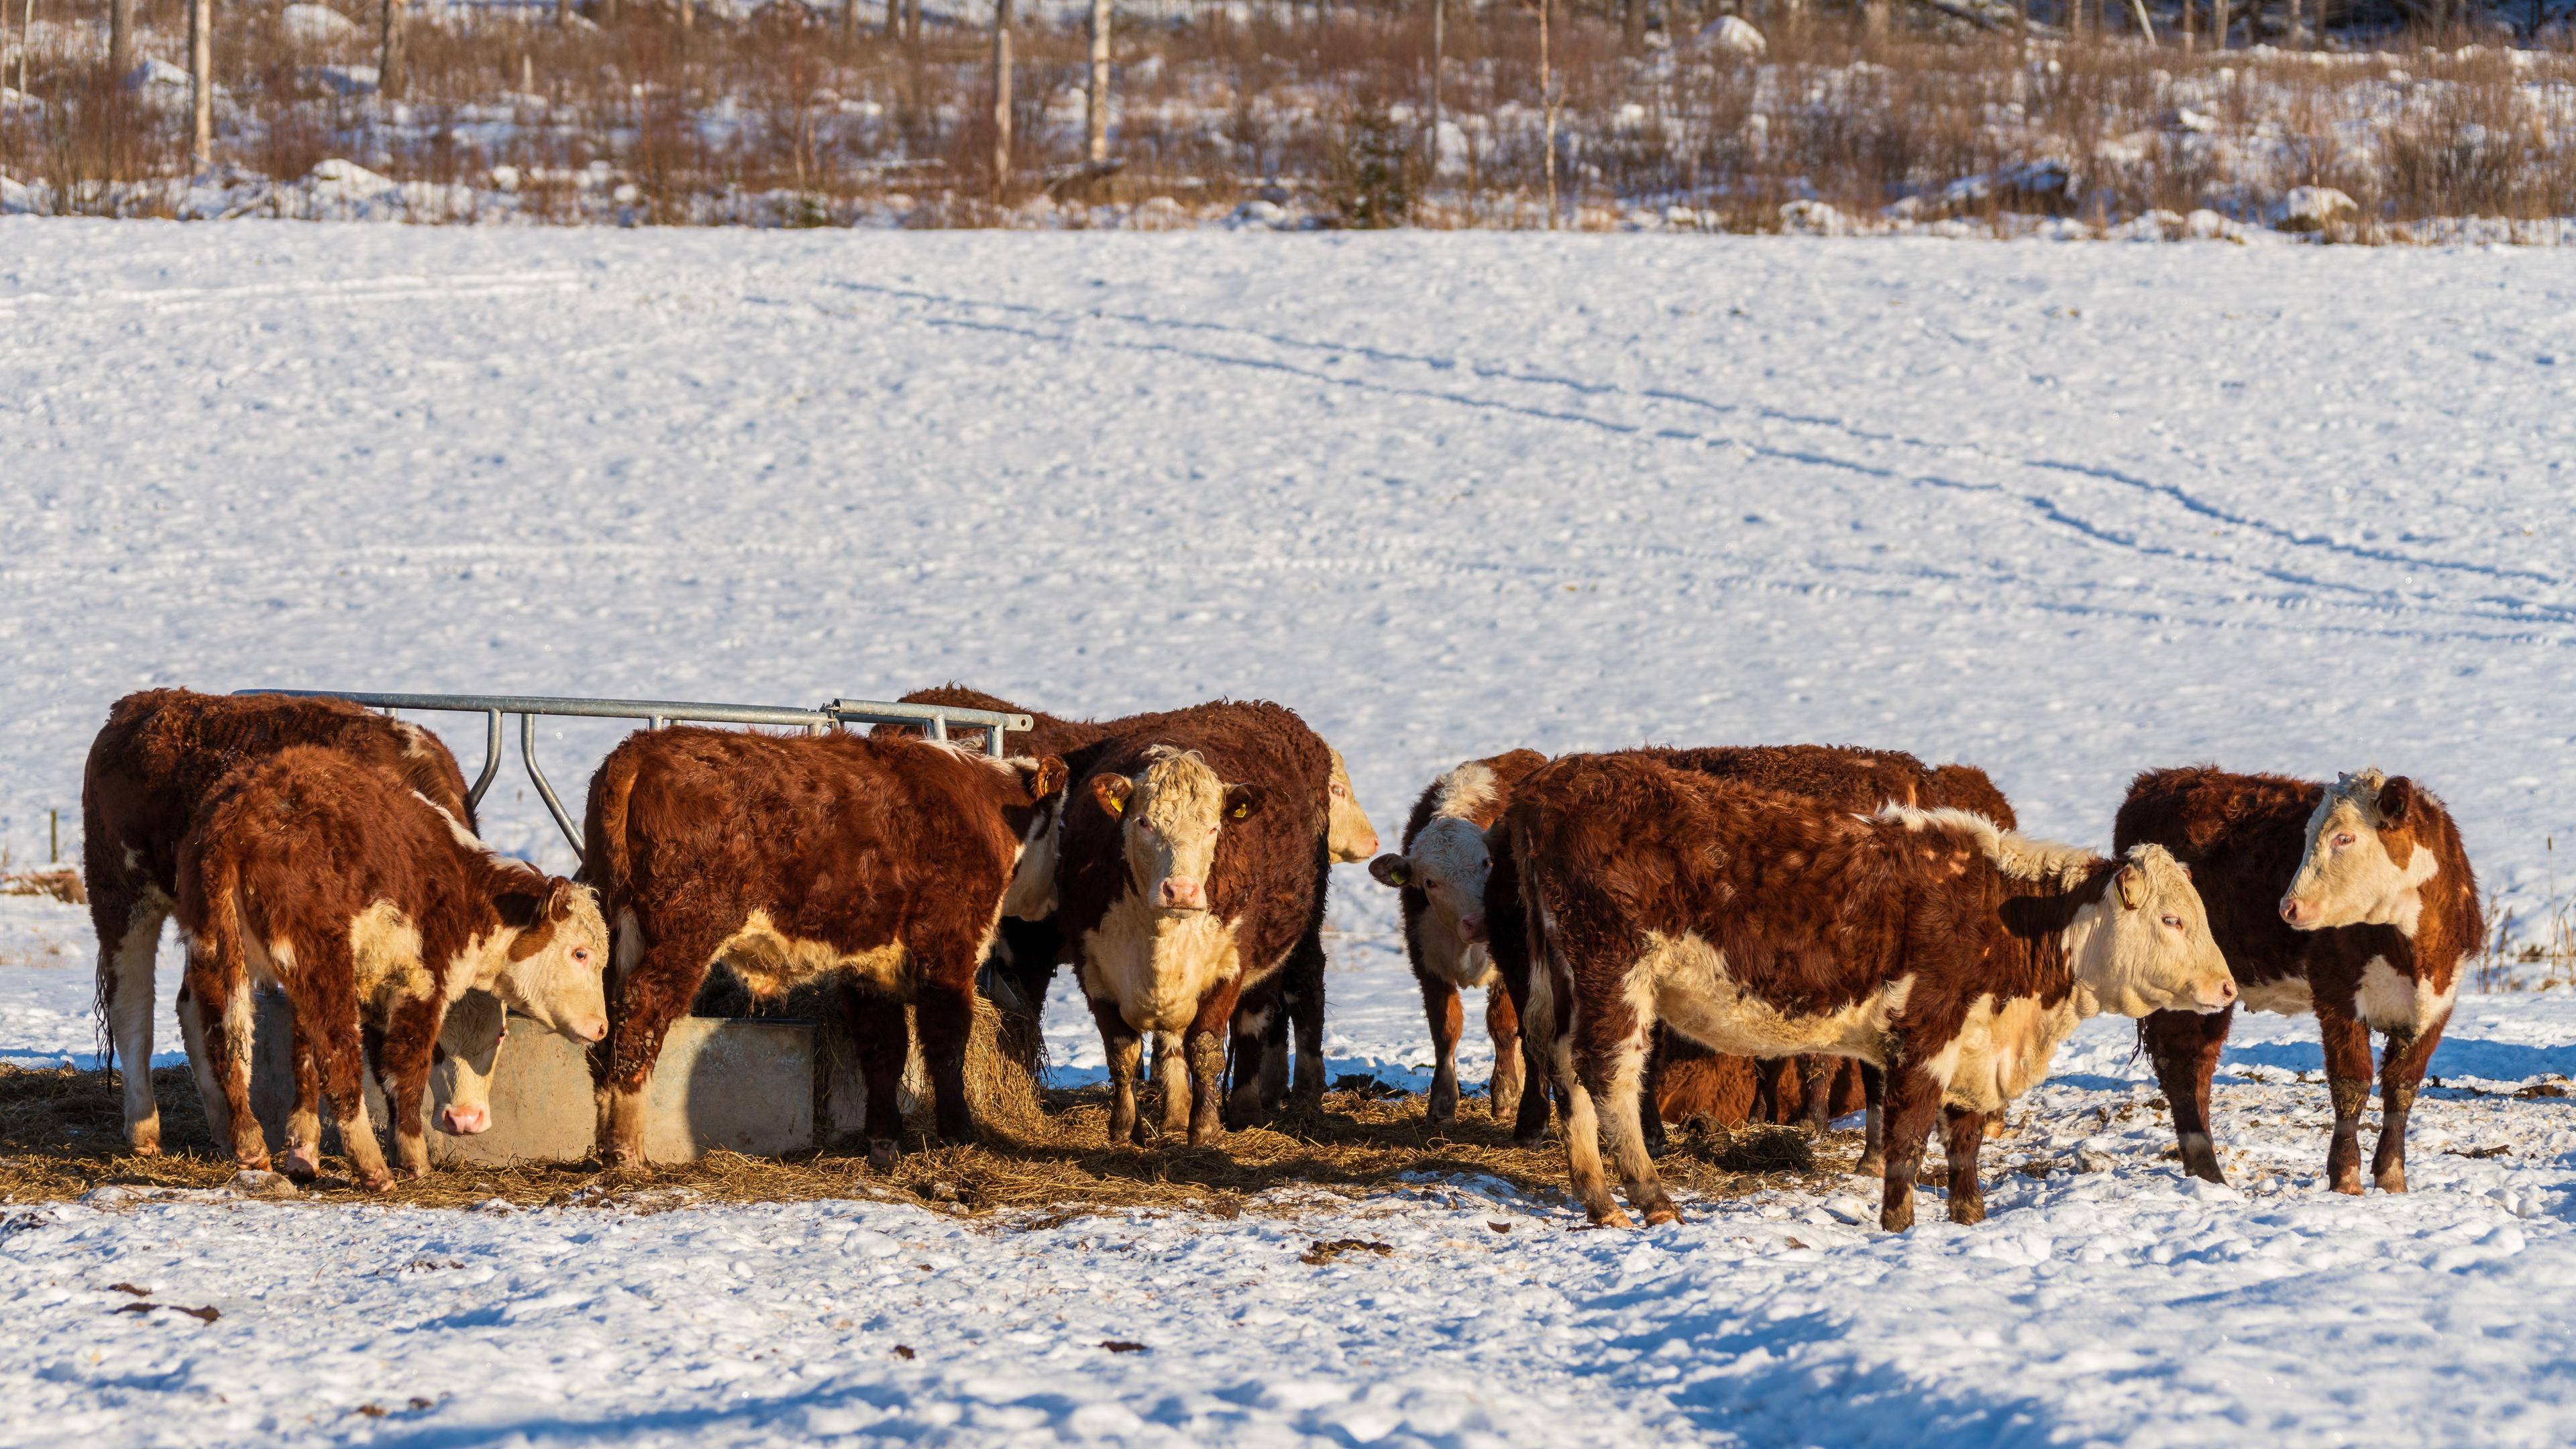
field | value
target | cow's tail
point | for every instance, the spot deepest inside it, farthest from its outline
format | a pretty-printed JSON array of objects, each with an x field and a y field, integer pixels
[
  {"x": 209, "y": 903},
  {"x": 605, "y": 866}
]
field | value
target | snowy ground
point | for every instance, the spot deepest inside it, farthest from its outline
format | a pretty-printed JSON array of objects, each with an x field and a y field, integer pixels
[{"x": 2064, "y": 512}]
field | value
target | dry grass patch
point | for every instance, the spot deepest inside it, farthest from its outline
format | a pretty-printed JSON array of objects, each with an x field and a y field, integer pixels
[{"x": 61, "y": 1137}]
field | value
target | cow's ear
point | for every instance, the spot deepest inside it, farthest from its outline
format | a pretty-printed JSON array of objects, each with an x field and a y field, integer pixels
[
  {"x": 1112, "y": 792},
  {"x": 519, "y": 909},
  {"x": 1242, "y": 802},
  {"x": 2133, "y": 887},
  {"x": 1392, "y": 870},
  {"x": 1045, "y": 778},
  {"x": 2394, "y": 799},
  {"x": 559, "y": 899}
]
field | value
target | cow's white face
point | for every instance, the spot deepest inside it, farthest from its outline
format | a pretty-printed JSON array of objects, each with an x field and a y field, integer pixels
[
  {"x": 1349, "y": 835},
  {"x": 2364, "y": 865},
  {"x": 1169, "y": 819},
  {"x": 1449, "y": 865},
  {"x": 1031, "y": 893},
  {"x": 556, "y": 959},
  {"x": 2145, "y": 945},
  {"x": 469, "y": 1051}
]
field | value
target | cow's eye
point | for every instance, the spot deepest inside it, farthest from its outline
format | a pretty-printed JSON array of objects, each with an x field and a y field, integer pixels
[
  {"x": 2174, "y": 921},
  {"x": 581, "y": 955},
  {"x": 2341, "y": 841}
]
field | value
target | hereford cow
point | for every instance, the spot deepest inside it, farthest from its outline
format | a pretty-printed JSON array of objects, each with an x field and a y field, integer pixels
[
  {"x": 151, "y": 768},
  {"x": 371, "y": 909},
  {"x": 1190, "y": 864},
  {"x": 1027, "y": 952},
  {"x": 2356, "y": 903},
  {"x": 1948, "y": 951},
  {"x": 885, "y": 861},
  {"x": 1440, "y": 874},
  {"x": 1845, "y": 777}
]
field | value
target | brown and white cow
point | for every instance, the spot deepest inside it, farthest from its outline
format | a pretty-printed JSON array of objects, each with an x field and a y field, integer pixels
[
  {"x": 1190, "y": 864},
  {"x": 1440, "y": 873},
  {"x": 1953, "y": 954},
  {"x": 2356, "y": 903},
  {"x": 1845, "y": 777},
  {"x": 151, "y": 768},
  {"x": 885, "y": 861},
  {"x": 1027, "y": 952},
  {"x": 371, "y": 909}
]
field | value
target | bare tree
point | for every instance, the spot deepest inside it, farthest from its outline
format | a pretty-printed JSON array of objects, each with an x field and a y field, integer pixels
[
  {"x": 1547, "y": 109},
  {"x": 1001, "y": 98},
  {"x": 201, "y": 83},
  {"x": 392, "y": 64},
  {"x": 1439, "y": 13},
  {"x": 120, "y": 36},
  {"x": 1095, "y": 103},
  {"x": 1632, "y": 27}
]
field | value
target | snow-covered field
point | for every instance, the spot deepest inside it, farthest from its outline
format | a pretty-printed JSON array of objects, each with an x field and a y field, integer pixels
[{"x": 2062, "y": 511}]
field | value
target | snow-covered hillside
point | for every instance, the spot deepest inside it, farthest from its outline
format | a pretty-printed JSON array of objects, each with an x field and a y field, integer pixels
[{"x": 2064, "y": 512}]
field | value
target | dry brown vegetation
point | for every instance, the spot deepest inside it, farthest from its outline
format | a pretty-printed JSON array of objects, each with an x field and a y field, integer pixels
[
  {"x": 61, "y": 1138},
  {"x": 792, "y": 115}
]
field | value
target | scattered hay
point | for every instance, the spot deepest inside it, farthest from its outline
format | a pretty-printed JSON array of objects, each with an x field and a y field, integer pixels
[
  {"x": 62, "y": 1136},
  {"x": 62, "y": 883}
]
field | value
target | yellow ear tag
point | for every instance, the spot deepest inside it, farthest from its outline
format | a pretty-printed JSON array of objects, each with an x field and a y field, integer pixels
[
  {"x": 1113, "y": 804},
  {"x": 1240, "y": 811}
]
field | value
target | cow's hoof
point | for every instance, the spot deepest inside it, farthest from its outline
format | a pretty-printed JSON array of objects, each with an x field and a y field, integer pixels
[
  {"x": 881, "y": 1155},
  {"x": 1530, "y": 1140},
  {"x": 2392, "y": 1180},
  {"x": 1657, "y": 1217},
  {"x": 1873, "y": 1166},
  {"x": 1896, "y": 1219},
  {"x": 376, "y": 1181},
  {"x": 1614, "y": 1218},
  {"x": 302, "y": 1163},
  {"x": 145, "y": 1144},
  {"x": 1968, "y": 1211}
]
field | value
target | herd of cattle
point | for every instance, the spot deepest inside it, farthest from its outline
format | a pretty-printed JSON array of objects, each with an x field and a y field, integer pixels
[{"x": 1780, "y": 932}]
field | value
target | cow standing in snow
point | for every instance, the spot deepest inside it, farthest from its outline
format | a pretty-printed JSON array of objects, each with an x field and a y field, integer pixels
[
  {"x": 152, "y": 767},
  {"x": 885, "y": 862},
  {"x": 2356, "y": 903},
  {"x": 1190, "y": 863},
  {"x": 1951, "y": 953},
  {"x": 371, "y": 909}
]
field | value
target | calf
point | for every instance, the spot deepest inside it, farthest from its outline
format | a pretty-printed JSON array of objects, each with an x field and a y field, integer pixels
[
  {"x": 887, "y": 862},
  {"x": 151, "y": 768},
  {"x": 1190, "y": 865},
  {"x": 1440, "y": 874},
  {"x": 371, "y": 909},
  {"x": 1027, "y": 952},
  {"x": 1845, "y": 777},
  {"x": 1951, "y": 953},
  {"x": 2356, "y": 903}
]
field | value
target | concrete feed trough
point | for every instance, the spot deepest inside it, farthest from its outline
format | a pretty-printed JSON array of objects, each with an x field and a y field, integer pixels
[{"x": 749, "y": 1085}]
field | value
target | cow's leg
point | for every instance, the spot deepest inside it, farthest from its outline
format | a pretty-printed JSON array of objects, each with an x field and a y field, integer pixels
[
  {"x": 128, "y": 917},
  {"x": 1503, "y": 1027},
  {"x": 210, "y": 1089},
  {"x": 1120, "y": 1044},
  {"x": 1964, "y": 1133},
  {"x": 1538, "y": 1081},
  {"x": 1816, "y": 1083},
  {"x": 1614, "y": 1073},
  {"x": 945, "y": 1013},
  {"x": 2347, "y": 1044},
  {"x": 1172, "y": 1080},
  {"x": 1274, "y": 1056},
  {"x": 1205, "y": 1043},
  {"x": 343, "y": 1060},
  {"x": 1447, "y": 1018},
  {"x": 1306, "y": 1015},
  {"x": 223, "y": 1011},
  {"x": 1913, "y": 1105},
  {"x": 1253, "y": 1027},
  {"x": 1583, "y": 1145},
  {"x": 650, "y": 996},
  {"x": 1873, "y": 1144},
  {"x": 2401, "y": 1074},
  {"x": 304, "y": 1120},
  {"x": 402, "y": 1064},
  {"x": 1650, "y": 1122},
  {"x": 881, "y": 1041},
  {"x": 2184, "y": 1046}
]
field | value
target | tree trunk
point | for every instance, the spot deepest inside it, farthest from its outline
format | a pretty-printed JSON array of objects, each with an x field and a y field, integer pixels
[
  {"x": 1001, "y": 98},
  {"x": 1095, "y": 105},
  {"x": 120, "y": 37},
  {"x": 201, "y": 83},
  {"x": 2218, "y": 24},
  {"x": 2146, "y": 27},
  {"x": 1632, "y": 27},
  {"x": 688, "y": 16},
  {"x": 1439, "y": 13},
  {"x": 392, "y": 65},
  {"x": 1547, "y": 109}
]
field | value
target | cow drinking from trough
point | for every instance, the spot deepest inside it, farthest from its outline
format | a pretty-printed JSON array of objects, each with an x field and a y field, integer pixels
[
  {"x": 1190, "y": 864},
  {"x": 886, "y": 863},
  {"x": 2355, "y": 902},
  {"x": 153, "y": 765},
  {"x": 371, "y": 909},
  {"x": 1947, "y": 951}
]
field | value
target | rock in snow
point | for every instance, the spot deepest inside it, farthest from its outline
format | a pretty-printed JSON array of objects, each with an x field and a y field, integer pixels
[
  {"x": 2314, "y": 208},
  {"x": 1734, "y": 34}
]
